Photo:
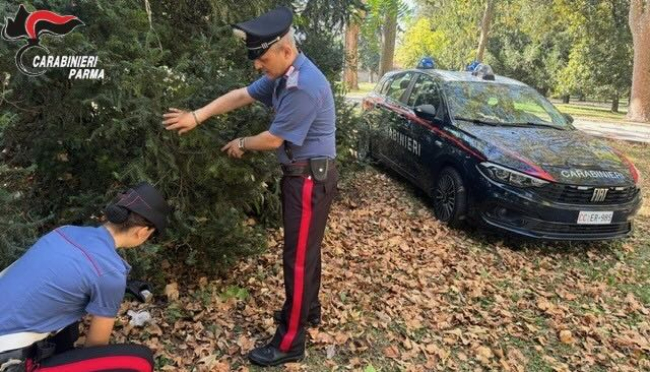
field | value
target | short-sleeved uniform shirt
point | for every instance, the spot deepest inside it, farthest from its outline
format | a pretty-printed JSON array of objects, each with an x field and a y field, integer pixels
[
  {"x": 305, "y": 115},
  {"x": 69, "y": 272}
]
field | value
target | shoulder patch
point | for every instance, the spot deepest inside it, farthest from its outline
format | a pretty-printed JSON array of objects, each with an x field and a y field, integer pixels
[{"x": 292, "y": 79}]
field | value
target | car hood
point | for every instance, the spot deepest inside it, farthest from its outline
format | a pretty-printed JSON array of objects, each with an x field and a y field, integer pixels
[{"x": 564, "y": 156}]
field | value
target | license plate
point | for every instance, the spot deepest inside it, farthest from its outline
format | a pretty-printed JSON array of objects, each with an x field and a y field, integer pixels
[{"x": 595, "y": 218}]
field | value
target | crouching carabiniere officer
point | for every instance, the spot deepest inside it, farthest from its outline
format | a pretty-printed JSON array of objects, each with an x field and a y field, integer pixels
[
  {"x": 70, "y": 272},
  {"x": 302, "y": 133}
]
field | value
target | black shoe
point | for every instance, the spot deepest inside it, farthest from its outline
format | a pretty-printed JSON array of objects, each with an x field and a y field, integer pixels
[
  {"x": 269, "y": 355},
  {"x": 313, "y": 319}
]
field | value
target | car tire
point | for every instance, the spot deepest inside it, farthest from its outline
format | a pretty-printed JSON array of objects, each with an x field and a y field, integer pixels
[{"x": 450, "y": 197}]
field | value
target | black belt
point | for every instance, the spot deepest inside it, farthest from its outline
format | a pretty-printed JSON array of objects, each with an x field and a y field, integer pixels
[
  {"x": 304, "y": 167},
  {"x": 296, "y": 169},
  {"x": 36, "y": 351},
  {"x": 20, "y": 354}
]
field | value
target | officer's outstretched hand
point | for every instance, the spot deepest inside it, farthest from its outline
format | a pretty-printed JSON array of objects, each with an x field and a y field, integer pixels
[
  {"x": 182, "y": 121},
  {"x": 139, "y": 289},
  {"x": 232, "y": 149}
]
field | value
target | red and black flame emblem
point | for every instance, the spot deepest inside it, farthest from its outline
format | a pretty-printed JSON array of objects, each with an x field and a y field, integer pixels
[{"x": 31, "y": 26}]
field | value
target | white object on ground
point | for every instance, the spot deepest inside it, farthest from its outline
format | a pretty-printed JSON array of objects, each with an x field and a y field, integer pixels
[
  {"x": 148, "y": 296},
  {"x": 140, "y": 318}
]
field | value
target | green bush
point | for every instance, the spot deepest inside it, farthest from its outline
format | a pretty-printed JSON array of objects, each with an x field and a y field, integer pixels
[{"x": 82, "y": 141}]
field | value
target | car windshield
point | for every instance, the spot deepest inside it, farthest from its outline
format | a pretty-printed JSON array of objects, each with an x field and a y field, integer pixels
[{"x": 502, "y": 104}]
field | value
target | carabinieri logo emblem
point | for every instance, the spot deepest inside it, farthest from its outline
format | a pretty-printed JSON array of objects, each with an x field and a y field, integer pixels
[{"x": 31, "y": 26}]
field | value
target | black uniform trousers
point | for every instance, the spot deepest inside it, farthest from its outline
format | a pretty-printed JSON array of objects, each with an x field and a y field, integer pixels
[
  {"x": 305, "y": 207},
  {"x": 118, "y": 357}
]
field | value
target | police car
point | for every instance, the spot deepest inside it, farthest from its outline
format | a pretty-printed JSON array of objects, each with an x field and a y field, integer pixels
[{"x": 492, "y": 149}]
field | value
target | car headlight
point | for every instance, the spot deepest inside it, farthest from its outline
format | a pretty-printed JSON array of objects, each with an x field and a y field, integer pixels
[{"x": 501, "y": 174}]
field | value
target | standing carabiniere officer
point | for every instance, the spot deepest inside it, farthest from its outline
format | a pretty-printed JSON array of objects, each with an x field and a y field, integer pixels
[{"x": 303, "y": 135}]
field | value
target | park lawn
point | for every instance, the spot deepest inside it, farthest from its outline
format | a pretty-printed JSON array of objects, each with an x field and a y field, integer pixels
[
  {"x": 364, "y": 89},
  {"x": 592, "y": 112},
  {"x": 402, "y": 292}
]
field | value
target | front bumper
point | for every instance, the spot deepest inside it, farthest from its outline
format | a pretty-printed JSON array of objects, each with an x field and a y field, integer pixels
[{"x": 525, "y": 213}]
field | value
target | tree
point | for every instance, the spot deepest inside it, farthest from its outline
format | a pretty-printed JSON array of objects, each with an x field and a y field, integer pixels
[
  {"x": 383, "y": 16},
  {"x": 457, "y": 21},
  {"x": 370, "y": 50},
  {"x": 352, "y": 55},
  {"x": 485, "y": 29},
  {"x": 352, "y": 33},
  {"x": 560, "y": 47},
  {"x": 420, "y": 40},
  {"x": 600, "y": 61},
  {"x": 639, "y": 21},
  {"x": 76, "y": 143},
  {"x": 389, "y": 36}
]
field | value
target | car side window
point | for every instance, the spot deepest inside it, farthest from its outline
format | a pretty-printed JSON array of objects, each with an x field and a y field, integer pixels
[
  {"x": 425, "y": 91},
  {"x": 398, "y": 86}
]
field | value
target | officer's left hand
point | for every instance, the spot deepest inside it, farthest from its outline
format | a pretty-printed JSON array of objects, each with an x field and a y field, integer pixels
[{"x": 232, "y": 149}]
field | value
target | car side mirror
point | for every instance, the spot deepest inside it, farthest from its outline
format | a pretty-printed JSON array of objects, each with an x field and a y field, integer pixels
[
  {"x": 427, "y": 112},
  {"x": 568, "y": 117}
]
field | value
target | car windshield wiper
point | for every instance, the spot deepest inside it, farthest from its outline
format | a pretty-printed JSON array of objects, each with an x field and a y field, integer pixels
[
  {"x": 479, "y": 121},
  {"x": 534, "y": 124}
]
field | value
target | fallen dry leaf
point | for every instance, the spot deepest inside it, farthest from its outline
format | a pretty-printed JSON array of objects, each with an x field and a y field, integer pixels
[
  {"x": 391, "y": 352},
  {"x": 171, "y": 291},
  {"x": 566, "y": 337}
]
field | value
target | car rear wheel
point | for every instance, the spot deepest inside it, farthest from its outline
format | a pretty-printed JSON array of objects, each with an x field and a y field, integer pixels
[{"x": 450, "y": 197}]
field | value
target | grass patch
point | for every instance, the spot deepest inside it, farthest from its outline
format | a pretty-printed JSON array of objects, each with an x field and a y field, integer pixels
[
  {"x": 589, "y": 111},
  {"x": 535, "y": 362},
  {"x": 364, "y": 89},
  {"x": 235, "y": 292}
]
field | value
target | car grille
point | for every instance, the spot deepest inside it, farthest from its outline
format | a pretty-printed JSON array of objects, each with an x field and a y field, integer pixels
[
  {"x": 564, "y": 228},
  {"x": 571, "y": 194}
]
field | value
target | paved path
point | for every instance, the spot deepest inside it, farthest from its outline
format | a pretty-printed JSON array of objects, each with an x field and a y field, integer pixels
[{"x": 626, "y": 131}]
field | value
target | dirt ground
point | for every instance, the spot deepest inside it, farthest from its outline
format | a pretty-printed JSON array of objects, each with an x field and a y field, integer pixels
[{"x": 401, "y": 292}]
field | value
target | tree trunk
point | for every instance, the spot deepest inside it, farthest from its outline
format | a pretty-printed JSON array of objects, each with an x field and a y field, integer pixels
[
  {"x": 566, "y": 98},
  {"x": 582, "y": 97},
  {"x": 372, "y": 77},
  {"x": 388, "y": 47},
  {"x": 485, "y": 29},
  {"x": 615, "y": 100},
  {"x": 352, "y": 31},
  {"x": 639, "y": 107}
]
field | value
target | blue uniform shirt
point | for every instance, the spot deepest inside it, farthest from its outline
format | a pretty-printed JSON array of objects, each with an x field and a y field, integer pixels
[
  {"x": 304, "y": 109},
  {"x": 69, "y": 272}
]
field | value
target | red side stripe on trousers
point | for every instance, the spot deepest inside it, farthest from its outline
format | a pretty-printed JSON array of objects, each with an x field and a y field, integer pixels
[
  {"x": 299, "y": 267},
  {"x": 101, "y": 364}
]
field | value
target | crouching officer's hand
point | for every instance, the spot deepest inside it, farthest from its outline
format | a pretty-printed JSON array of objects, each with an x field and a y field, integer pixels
[{"x": 139, "y": 289}]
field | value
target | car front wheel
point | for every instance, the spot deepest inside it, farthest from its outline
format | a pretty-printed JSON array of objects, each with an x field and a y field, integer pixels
[{"x": 450, "y": 197}]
